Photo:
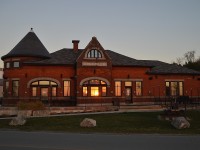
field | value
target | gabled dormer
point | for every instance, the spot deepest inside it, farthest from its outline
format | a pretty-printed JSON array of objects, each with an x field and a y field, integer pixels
[{"x": 94, "y": 55}]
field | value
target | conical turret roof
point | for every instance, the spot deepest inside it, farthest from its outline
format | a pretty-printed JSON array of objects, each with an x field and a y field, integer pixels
[{"x": 29, "y": 46}]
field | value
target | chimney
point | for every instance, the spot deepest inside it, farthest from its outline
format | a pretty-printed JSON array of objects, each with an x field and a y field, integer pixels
[{"x": 75, "y": 45}]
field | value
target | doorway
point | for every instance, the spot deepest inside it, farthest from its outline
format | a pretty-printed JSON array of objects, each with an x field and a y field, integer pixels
[
  {"x": 128, "y": 94},
  {"x": 44, "y": 93}
]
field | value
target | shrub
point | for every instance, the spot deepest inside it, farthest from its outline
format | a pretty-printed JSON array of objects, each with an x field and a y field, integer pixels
[{"x": 37, "y": 105}]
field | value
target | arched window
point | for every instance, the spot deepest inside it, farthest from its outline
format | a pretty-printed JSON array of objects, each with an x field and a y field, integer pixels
[
  {"x": 44, "y": 88},
  {"x": 94, "y": 88},
  {"x": 94, "y": 54}
]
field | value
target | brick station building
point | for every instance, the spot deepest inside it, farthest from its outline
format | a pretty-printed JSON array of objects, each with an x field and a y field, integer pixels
[{"x": 73, "y": 76}]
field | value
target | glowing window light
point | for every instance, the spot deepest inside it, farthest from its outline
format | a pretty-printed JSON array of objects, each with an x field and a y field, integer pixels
[{"x": 94, "y": 91}]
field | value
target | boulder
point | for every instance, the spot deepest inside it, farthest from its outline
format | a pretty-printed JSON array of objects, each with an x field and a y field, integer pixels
[
  {"x": 19, "y": 120},
  {"x": 180, "y": 123},
  {"x": 87, "y": 122}
]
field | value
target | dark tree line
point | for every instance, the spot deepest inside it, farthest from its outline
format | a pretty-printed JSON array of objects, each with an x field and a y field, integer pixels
[{"x": 189, "y": 61}]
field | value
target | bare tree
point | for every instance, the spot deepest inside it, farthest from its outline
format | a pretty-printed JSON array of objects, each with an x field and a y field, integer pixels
[
  {"x": 179, "y": 61},
  {"x": 190, "y": 57}
]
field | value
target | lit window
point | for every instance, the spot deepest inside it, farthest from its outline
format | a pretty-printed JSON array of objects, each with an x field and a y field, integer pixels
[
  {"x": 118, "y": 88},
  {"x": 43, "y": 82},
  {"x": 138, "y": 88},
  {"x": 54, "y": 91},
  {"x": 94, "y": 91},
  {"x": 16, "y": 64},
  {"x": 44, "y": 92},
  {"x": 167, "y": 89},
  {"x": 35, "y": 83},
  {"x": 85, "y": 92},
  {"x": 181, "y": 88},
  {"x": 128, "y": 83},
  {"x": 34, "y": 91},
  {"x": 94, "y": 87},
  {"x": 15, "y": 88},
  {"x": 103, "y": 91},
  {"x": 94, "y": 54},
  {"x": 66, "y": 88},
  {"x": 174, "y": 88}
]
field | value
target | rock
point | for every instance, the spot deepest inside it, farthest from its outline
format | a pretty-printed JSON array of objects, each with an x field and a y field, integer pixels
[
  {"x": 180, "y": 123},
  {"x": 87, "y": 122},
  {"x": 19, "y": 120}
]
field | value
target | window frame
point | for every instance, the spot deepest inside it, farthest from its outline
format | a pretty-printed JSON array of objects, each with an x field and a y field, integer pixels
[
  {"x": 141, "y": 89},
  {"x": 14, "y": 62},
  {"x": 6, "y": 89},
  {"x": 179, "y": 90},
  {"x": 68, "y": 94},
  {"x": 52, "y": 91},
  {"x": 15, "y": 94},
  {"x": 7, "y": 65},
  {"x": 33, "y": 90},
  {"x": 118, "y": 90},
  {"x": 89, "y": 84},
  {"x": 94, "y": 53}
]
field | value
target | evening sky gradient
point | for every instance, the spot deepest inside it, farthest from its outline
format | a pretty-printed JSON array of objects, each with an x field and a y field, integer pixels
[{"x": 142, "y": 29}]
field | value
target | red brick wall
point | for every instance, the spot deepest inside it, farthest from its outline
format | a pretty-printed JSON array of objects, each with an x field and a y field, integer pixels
[{"x": 153, "y": 85}]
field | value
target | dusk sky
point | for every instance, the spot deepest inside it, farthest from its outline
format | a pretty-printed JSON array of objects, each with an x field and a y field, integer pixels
[{"x": 142, "y": 29}]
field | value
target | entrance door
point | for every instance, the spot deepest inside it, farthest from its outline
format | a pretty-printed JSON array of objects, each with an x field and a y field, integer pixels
[
  {"x": 44, "y": 93},
  {"x": 128, "y": 94}
]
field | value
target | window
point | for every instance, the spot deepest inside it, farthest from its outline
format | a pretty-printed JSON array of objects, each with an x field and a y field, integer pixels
[
  {"x": 167, "y": 88},
  {"x": 16, "y": 64},
  {"x": 34, "y": 91},
  {"x": 85, "y": 92},
  {"x": 94, "y": 87},
  {"x": 138, "y": 88},
  {"x": 46, "y": 88},
  {"x": 66, "y": 88},
  {"x": 54, "y": 91},
  {"x": 6, "y": 88},
  {"x": 94, "y": 91},
  {"x": 103, "y": 91},
  {"x": 94, "y": 54},
  {"x": 181, "y": 88},
  {"x": 174, "y": 88},
  {"x": 44, "y": 92},
  {"x": 128, "y": 83},
  {"x": 118, "y": 88},
  {"x": 7, "y": 65},
  {"x": 44, "y": 83},
  {"x": 15, "y": 88}
]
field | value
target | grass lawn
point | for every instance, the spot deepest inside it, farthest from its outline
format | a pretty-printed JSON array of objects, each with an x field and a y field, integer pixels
[{"x": 136, "y": 122}]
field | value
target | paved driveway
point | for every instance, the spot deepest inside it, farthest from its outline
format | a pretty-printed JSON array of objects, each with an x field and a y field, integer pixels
[{"x": 16, "y": 140}]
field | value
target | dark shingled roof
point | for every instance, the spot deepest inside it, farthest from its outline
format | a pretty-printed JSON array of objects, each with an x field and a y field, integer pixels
[
  {"x": 164, "y": 68},
  {"x": 69, "y": 57},
  {"x": 121, "y": 60},
  {"x": 29, "y": 46},
  {"x": 61, "y": 57}
]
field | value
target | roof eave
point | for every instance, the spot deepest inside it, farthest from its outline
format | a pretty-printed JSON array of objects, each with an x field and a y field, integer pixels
[{"x": 164, "y": 73}]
